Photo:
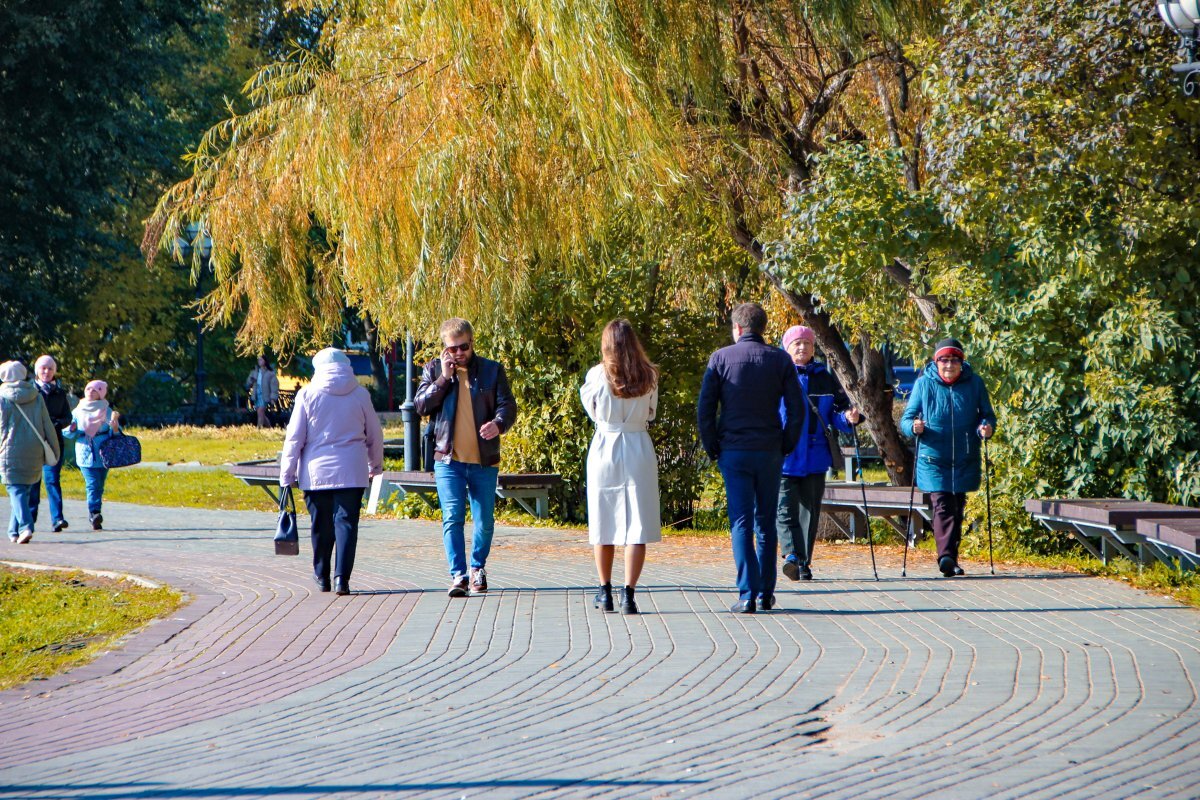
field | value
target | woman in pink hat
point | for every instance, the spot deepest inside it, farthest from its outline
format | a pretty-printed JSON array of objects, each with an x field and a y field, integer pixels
[
  {"x": 92, "y": 422},
  {"x": 803, "y": 484}
]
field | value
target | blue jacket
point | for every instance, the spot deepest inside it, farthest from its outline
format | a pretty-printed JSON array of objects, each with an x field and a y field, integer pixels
[
  {"x": 747, "y": 381},
  {"x": 820, "y": 389},
  {"x": 949, "y": 458},
  {"x": 87, "y": 451}
]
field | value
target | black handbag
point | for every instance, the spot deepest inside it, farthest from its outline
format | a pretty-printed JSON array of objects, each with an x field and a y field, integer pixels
[
  {"x": 287, "y": 533},
  {"x": 831, "y": 437}
]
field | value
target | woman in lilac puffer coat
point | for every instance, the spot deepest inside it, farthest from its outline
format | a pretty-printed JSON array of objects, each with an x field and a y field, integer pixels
[{"x": 333, "y": 448}]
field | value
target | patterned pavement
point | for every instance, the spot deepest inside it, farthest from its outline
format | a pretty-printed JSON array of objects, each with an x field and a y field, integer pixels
[{"x": 1026, "y": 684}]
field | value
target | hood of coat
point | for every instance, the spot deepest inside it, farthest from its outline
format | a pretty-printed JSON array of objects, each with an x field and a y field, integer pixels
[
  {"x": 931, "y": 372},
  {"x": 334, "y": 379},
  {"x": 812, "y": 368},
  {"x": 19, "y": 392}
]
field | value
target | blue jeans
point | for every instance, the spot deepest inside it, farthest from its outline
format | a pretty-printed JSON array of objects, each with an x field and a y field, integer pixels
[
  {"x": 752, "y": 493},
  {"x": 21, "y": 518},
  {"x": 456, "y": 484},
  {"x": 51, "y": 476},
  {"x": 93, "y": 483}
]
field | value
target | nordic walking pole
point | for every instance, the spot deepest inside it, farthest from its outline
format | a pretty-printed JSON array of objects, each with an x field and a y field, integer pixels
[
  {"x": 987, "y": 493},
  {"x": 866, "y": 509},
  {"x": 911, "y": 491}
]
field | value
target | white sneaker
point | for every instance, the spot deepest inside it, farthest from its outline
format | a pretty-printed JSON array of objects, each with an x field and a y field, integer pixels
[{"x": 25, "y": 537}]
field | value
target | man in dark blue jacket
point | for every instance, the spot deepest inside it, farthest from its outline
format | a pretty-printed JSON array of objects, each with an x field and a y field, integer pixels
[{"x": 743, "y": 430}]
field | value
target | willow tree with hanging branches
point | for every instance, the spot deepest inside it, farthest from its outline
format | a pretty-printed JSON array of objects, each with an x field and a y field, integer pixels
[{"x": 434, "y": 158}]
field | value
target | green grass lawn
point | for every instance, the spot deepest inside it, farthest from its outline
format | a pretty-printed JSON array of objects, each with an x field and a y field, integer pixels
[
  {"x": 51, "y": 621},
  {"x": 209, "y": 445}
]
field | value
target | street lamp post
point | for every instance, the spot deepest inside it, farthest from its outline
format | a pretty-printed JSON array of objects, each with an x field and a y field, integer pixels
[
  {"x": 412, "y": 421},
  {"x": 194, "y": 239},
  {"x": 1183, "y": 17}
]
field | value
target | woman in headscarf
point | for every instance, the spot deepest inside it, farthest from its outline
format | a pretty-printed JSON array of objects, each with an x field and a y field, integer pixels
[
  {"x": 27, "y": 442},
  {"x": 333, "y": 448},
  {"x": 950, "y": 410},
  {"x": 58, "y": 403},
  {"x": 92, "y": 422}
]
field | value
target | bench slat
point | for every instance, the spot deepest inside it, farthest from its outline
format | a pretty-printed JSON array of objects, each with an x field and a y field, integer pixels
[{"x": 1182, "y": 533}]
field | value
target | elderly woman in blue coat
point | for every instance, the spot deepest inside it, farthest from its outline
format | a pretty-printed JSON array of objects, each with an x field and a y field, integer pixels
[
  {"x": 802, "y": 486},
  {"x": 950, "y": 411}
]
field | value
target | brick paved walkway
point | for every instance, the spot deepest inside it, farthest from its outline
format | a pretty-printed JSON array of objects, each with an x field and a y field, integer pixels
[{"x": 1022, "y": 685}]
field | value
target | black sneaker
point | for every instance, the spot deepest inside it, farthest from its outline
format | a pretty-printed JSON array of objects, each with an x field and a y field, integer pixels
[
  {"x": 946, "y": 565},
  {"x": 958, "y": 571},
  {"x": 805, "y": 573},
  {"x": 791, "y": 569},
  {"x": 458, "y": 588},
  {"x": 61, "y": 526},
  {"x": 97, "y": 522}
]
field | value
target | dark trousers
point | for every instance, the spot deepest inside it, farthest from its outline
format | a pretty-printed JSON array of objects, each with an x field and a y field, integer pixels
[
  {"x": 799, "y": 514},
  {"x": 334, "y": 514},
  {"x": 752, "y": 493},
  {"x": 948, "y": 508}
]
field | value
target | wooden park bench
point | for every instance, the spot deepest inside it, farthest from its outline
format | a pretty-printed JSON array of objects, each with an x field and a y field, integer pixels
[
  {"x": 887, "y": 502},
  {"x": 1173, "y": 540},
  {"x": 530, "y": 491},
  {"x": 1108, "y": 525},
  {"x": 524, "y": 488}
]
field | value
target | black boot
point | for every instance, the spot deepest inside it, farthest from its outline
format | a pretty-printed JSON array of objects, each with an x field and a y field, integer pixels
[
  {"x": 604, "y": 600},
  {"x": 627, "y": 604}
]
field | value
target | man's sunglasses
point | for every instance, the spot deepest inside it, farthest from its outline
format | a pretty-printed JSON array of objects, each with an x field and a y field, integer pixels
[{"x": 459, "y": 348}]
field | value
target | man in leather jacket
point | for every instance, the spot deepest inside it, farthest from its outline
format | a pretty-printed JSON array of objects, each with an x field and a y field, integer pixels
[{"x": 467, "y": 446}]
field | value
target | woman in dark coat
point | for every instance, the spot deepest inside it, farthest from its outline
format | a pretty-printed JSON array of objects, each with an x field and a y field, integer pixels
[
  {"x": 59, "y": 406},
  {"x": 950, "y": 411}
]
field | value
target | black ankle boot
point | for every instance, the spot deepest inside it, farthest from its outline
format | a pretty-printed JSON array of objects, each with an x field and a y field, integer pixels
[
  {"x": 604, "y": 600},
  {"x": 627, "y": 604}
]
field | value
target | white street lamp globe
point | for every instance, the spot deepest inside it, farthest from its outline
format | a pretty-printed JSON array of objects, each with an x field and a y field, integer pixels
[{"x": 1179, "y": 19}]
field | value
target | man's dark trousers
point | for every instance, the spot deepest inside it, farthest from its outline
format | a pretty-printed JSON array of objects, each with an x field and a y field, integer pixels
[
  {"x": 800, "y": 514},
  {"x": 334, "y": 514},
  {"x": 752, "y": 494}
]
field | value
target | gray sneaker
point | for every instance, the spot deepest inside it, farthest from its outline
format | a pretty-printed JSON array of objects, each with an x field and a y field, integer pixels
[
  {"x": 478, "y": 580},
  {"x": 458, "y": 588}
]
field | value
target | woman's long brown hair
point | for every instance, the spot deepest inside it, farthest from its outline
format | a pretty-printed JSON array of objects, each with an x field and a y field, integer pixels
[{"x": 629, "y": 372}]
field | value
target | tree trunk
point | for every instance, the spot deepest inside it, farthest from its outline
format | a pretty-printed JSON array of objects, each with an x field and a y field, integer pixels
[{"x": 378, "y": 373}]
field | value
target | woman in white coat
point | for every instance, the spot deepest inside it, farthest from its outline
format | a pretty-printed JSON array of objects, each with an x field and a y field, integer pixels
[{"x": 620, "y": 394}]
